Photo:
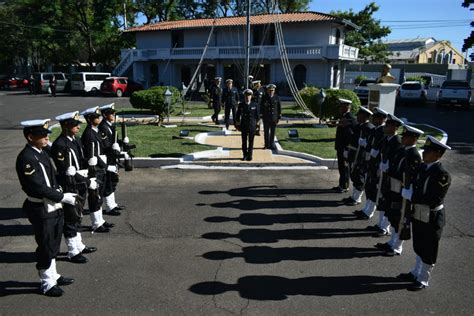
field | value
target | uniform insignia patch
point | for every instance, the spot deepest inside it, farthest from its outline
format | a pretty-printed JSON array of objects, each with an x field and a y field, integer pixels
[
  {"x": 60, "y": 156},
  {"x": 444, "y": 181},
  {"x": 29, "y": 170}
]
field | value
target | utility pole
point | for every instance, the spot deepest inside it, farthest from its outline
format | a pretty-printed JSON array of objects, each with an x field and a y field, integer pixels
[
  {"x": 247, "y": 51},
  {"x": 124, "y": 14}
]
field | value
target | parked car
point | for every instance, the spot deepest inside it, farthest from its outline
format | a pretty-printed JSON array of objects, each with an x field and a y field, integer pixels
[
  {"x": 42, "y": 81},
  {"x": 11, "y": 82},
  {"x": 362, "y": 90},
  {"x": 87, "y": 82},
  {"x": 119, "y": 86},
  {"x": 413, "y": 92},
  {"x": 455, "y": 92}
]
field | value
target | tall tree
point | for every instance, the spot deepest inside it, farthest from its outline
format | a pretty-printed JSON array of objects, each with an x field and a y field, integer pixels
[
  {"x": 468, "y": 41},
  {"x": 368, "y": 37}
]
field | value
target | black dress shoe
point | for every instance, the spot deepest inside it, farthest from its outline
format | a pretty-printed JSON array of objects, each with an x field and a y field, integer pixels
[
  {"x": 340, "y": 190},
  {"x": 113, "y": 212},
  {"x": 407, "y": 277},
  {"x": 391, "y": 253},
  {"x": 108, "y": 225},
  {"x": 373, "y": 228},
  {"x": 350, "y": 201},
  {"x": 249, "y": 158},
  {"x": 120, "y": 207},
  {"x": 55, "y": 291},
  {"x": 102, "y": 229},
  {"x": 417, "y": 286},
  {"x": 79, "y": 258},
  {"x": 381, "y": 233},
  {"x": 64, "y": 281},
  {"x": 357, "y": 212},
  {"x": 383, "y": 246},
  {"x": 89, "y": 250},
  {"x": 362, "y": 215}
]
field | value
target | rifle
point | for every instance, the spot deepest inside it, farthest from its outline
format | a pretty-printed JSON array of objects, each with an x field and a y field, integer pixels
[
  {"x": 127, "y": 148},
  {"x": 404, "y": 225},
  {"x": 93, "y": 174}
]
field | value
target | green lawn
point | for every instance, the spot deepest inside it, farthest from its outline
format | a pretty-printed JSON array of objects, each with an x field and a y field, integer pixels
[
  {"x": 320, "y": 141},
  {"x": 155, "y": 141}
]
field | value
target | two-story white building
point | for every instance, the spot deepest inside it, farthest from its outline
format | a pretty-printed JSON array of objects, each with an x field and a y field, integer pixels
[{"x": 168, "y": 53}]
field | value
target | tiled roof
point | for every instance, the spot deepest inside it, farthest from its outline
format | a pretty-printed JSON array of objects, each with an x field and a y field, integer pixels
[{"x": 238, "y": 20}]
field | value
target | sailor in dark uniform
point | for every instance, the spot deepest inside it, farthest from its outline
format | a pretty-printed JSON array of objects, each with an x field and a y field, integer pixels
[
  {"x": 427, "y": 193},
  {"x": 68, "y": 156},
  {"x": 390, "y": 145},
  {"x": 271, "y": 114},
  {"x": 372, "y": 157},
  {"x": 216, "y": 98},
  {"x": 247, "y": 114},
  {"x": 43, "y": 206},
  {"x": 403, "y": 165},
  {"x": 344, "y": 131},
  {"x": 95, "y": 155},
  {"x": 257, "y": 97},
  {"x": 112, "y": 150},
  {"x": 357, "y": 150},
  {"x": 230, "y": 99}
]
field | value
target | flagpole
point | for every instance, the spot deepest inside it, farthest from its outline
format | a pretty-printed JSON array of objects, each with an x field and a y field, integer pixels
[{"x": 247, "y": 51}]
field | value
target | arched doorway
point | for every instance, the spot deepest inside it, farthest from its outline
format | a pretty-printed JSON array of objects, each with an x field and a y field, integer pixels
[
  {"x": 154, "y": 75},
  {"x": 335, "y": 76},
  {"x": 299, "y": 73},
  {"x": 185, "y": 75}
]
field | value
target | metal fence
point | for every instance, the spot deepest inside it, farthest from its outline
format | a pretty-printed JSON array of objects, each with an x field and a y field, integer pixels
[{"x": 350, "y": 77}]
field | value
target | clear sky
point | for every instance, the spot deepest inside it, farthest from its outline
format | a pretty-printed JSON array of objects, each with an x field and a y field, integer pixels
[{"x": 413, "y": 10}]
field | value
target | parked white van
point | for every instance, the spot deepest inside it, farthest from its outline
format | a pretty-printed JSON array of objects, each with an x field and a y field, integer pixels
[{"x": 84, "y": 82}]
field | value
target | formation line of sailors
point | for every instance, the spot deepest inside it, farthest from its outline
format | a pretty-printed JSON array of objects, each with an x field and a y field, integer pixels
[
  {"x": 406, "y": 189},
  {"x": 58, "y": 179}
]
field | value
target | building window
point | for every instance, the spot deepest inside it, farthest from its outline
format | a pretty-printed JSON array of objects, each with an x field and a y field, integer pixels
[
  {"x": 177, "y": 39},
  {"x": 338, "y": 36},
  {"x": 299, "y": 74},
  {"x": 335, "y": 76},
  {"x": 185, "y": 75},
  {"x": 154, "y": 74},
  {"x": 263, "y": 35}
]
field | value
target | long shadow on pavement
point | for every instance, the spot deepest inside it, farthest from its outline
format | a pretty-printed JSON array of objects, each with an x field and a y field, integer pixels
[
  {"x": 15, "y": 230},
  {"x": 255, "y": 236},
  {"x": 252, "y": 205},
  {"x": 11, "y": 213},
  {"x": 16, "y": 287},
  {"x": 259, "y": 219},
  {"x": 275, "y": 288},
  {"x": 266, "y": 191},
  {"x": 265, "y": 255},
  {"x": 17, "y": 257}
]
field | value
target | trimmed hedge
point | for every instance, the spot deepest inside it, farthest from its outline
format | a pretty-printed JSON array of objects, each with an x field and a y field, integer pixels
[
  {"x": 154, "y": 99},
  {"x": 329, "y": 108}
]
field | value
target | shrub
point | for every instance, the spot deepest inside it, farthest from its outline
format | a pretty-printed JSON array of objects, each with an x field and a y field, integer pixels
[
  {"x": 329, "y": 108},
  {"x": 154, "y": 99},
  {"x": 359, "y": 78}
]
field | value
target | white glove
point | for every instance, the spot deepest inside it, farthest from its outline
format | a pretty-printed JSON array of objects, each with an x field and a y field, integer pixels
[
  {"x": 69, "y": 198},
  {"x": 125, "y": 155},
  {"x": 103, "y": 158},
  {"x": 92, "y": 161},
  {"x": 112, "y": 168},
  {"x": 126, "y": 140},
  {"x": 362, "y": 142},
  {"x": 383, "y": 166},
  {"x": 115, "y": 147},
  {"x": 345, "y": 154},
  {"x": 407, "y": 193},
  {"x": 71, "y": 171},
  {"x": 93, "y": 184},
  {"x": 374, "y": 153}
]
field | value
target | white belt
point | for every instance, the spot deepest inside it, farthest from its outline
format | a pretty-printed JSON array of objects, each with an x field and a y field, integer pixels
[
  {"x": 50, "y": 206},
  {"x": 83, "y": 172},
  {"x": 422, "y": 212},
  {"x": 34, "y": 200},
  {"x": 395, "y": 185}
]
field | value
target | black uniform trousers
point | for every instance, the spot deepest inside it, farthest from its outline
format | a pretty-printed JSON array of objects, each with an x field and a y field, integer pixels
[
  {"x": 96, "y": 197},
  {"x": 344, "y": 171},
  {"x": 371, "y": 183},
  {"x": 269, "y": 133},
  {"x": 394, "y": 212},
  {"x": 48, "y": 232},
  {"x": 217, "y": 110},
  {"x": 247, "y": 138},
  {"x": 111, "y": 180},
  {"x": 426, "y": 236},
  {"x": 72, "y": 225},
  {"x": 358, "y": 176},
  {"x": 228, "y": 109}
]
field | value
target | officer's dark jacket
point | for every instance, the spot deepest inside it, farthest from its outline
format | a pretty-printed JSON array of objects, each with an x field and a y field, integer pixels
[
  {"x": 390, "y": 147},
  {"x": 32, "y": 178},
  {"x": 247, "y": 115},
  {"x": 93, "y": 145},
  {"x": 216, "y": 95},
  {"x": 63, "y": 152},
  {"x": 375, "y": 139},
  {"x": 362, "y": 130},
  {"x": 258, "y": 95},
  {"x": 271, "y": 108},
  {"x": 430, "y": 186},
  {"x": 230, "y": 97},
  {"x": 107, "y": 133},
  {"x": 344, "y": 133},
  {"x": 405, "y": 161}
]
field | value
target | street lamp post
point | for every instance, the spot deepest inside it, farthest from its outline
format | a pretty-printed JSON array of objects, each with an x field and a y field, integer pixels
[{"x": 168, "y": 95}]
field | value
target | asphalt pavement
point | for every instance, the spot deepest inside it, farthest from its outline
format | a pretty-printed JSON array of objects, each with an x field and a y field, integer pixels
[{"x": 215, "y": 242}]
